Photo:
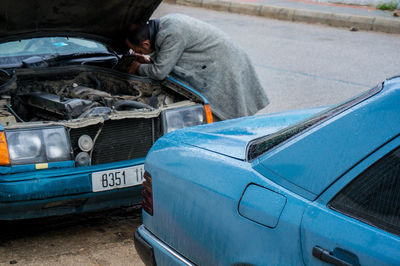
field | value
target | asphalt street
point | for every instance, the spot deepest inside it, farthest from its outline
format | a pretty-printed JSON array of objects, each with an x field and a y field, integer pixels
[{"x": 300, "y": 65}]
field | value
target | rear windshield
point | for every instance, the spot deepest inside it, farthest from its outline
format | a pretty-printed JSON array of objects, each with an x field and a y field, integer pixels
[{"x": 261, "y": 145}]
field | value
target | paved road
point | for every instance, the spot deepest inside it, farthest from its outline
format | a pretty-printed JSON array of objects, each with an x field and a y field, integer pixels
[{"x": 300, "y": 65}]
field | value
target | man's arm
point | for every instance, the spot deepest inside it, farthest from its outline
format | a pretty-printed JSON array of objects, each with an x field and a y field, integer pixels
[
  {"x": 139, "y": 59},
  {"x": 134, "y": 67},
  {"x": 171, "y": 49}
]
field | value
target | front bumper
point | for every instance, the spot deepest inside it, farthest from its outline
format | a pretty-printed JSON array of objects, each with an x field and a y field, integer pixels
[
  {"x": 56, "y": 192},
  {"x": 88, "y": 202},
  {"x": 153, "y": 251}
]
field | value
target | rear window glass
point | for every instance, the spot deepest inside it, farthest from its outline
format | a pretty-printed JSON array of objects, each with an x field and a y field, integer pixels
[
  {"x": 261, "y": 145},
  {"x": 374, "y": 196}
]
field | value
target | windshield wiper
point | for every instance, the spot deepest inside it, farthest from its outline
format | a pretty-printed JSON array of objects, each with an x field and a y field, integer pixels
[{"x": 54, "y": 60}]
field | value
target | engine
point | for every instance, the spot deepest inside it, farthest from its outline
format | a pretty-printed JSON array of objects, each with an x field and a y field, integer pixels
[{"x": 64, "y": 95}]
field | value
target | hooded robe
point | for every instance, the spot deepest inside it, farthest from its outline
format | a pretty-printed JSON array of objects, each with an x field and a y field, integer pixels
[{"x": 206, "y": 59}]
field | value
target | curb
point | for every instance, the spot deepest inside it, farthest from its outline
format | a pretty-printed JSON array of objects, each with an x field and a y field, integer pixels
[{"x": 297, "y": 15}]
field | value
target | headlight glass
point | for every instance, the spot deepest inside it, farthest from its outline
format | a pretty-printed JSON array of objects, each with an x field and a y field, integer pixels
[
  {"x": 24, "y": 145},
  {"x": 38, "y": 145},
  {"x": 174, "y": 119},
  {"x": 57, "y": 146}
]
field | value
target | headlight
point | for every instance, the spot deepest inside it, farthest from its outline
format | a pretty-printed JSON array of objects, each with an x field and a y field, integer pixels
[
  {"x": 24, "y": 145},
  {"x": 174, "y": 119},
  {"x": 57, "y": 144},
  {"x": 43, "y": 145}
]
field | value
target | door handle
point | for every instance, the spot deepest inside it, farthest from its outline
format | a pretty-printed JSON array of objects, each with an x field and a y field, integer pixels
[{"x": 327, "y": 256}]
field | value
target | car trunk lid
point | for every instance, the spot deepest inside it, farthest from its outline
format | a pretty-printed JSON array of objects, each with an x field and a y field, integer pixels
[{"x": 231, "y": 137}]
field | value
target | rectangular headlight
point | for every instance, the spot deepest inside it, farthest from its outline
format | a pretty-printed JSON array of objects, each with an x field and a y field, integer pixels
[
  {"x": 174, "y": 119},
  {"x": 38, "y": 145}
]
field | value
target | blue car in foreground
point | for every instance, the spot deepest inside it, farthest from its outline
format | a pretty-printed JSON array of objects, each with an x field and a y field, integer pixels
[{"x": 315, "y": 187}]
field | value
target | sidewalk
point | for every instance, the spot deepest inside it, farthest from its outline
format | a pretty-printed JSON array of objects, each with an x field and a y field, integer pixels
[{"x": 337, "y": 15}]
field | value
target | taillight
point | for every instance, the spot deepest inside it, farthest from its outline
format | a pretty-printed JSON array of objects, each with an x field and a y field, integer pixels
[
  {"x": 147, "y": 193},
  {"x": 209, "y": 116}
]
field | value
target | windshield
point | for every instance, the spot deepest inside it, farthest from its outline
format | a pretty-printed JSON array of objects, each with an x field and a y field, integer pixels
[
  {"x": 12, "y": 53},
  {"x": 259, "y": 146}
]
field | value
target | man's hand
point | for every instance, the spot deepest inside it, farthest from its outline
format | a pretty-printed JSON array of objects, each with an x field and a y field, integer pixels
[
  {"x": 143, "y": 59},
  {"x": 134, "y": 67}
]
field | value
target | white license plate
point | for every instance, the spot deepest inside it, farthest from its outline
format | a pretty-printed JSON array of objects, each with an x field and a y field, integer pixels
[{"x": 117, "y": 178}]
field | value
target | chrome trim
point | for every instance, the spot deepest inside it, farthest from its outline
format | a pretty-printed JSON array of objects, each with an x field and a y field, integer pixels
[{"x": 150, "y": 235}]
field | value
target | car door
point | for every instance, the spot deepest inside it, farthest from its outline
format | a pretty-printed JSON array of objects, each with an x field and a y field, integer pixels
[{"x": 357, "y": 220}]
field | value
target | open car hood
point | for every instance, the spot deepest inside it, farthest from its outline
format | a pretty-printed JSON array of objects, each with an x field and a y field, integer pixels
[{"x": 104, "y": 21}]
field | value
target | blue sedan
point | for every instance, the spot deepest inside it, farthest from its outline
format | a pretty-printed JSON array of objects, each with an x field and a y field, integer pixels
[{"x": 308, "y": 187}]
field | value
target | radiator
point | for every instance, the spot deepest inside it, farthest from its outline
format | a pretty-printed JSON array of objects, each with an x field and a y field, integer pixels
[{"x": 118, "y": 140}]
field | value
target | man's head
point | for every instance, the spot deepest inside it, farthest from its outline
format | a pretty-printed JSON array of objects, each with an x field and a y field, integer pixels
[{"x": 138, "y": 39}]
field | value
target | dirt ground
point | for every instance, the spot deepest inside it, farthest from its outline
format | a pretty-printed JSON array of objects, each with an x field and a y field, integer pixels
[{"x": 104, "y": 238}]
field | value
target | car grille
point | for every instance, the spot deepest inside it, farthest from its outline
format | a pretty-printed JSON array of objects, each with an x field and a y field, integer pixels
[{"x": 118, "y": 140}]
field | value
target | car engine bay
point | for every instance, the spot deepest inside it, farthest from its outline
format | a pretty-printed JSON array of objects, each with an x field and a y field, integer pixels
[
  {"x": 75, "y": 93},
  {"x": 118, "y": 114}
]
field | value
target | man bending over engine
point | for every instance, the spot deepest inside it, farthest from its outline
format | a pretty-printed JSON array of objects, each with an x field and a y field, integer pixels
[{"x": 201, "y": 56}]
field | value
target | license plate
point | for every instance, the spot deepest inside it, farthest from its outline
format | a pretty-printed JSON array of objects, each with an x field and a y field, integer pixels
[{"x": 117, "y": 178}]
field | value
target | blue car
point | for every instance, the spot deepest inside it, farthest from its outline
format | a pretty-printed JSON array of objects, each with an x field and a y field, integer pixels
[
  {"x": 75, "y": 127},
  {"x": 316, "y": 187}
]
